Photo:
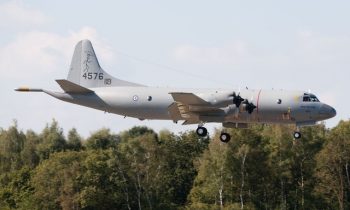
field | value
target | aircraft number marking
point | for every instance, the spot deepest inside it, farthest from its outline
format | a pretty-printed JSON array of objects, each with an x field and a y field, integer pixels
[{"x": 94, "y": 76}]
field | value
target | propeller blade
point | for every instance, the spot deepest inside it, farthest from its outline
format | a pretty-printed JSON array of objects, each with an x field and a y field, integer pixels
[
  {"x": 237, "y": 99},
  {"x": 249, "y": 106}
]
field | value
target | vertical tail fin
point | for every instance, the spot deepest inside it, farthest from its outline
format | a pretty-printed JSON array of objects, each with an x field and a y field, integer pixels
[{"x": 87, "y": 72}]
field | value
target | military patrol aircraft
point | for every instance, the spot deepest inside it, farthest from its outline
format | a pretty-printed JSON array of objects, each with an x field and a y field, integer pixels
[{"x": 89, "y": 85}]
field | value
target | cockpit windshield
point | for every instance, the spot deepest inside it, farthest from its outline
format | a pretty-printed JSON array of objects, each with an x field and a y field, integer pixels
[{"x": 308, "y": 97}]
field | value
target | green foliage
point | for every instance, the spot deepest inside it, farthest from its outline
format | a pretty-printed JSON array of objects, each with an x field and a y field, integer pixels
[
  {"x": 56, "y": 181},
  {"x": 16, "y": 190},
  {"x": 11, "y": 145},
  {"x": 334, "y": 168},
  {"x": 101, "y": 139},
  {"x": 74, "y": 141},
  {"x": 30, "y": 151},
  {"x": 262, "y": 167},
  {"x": 52, "y": 140}
]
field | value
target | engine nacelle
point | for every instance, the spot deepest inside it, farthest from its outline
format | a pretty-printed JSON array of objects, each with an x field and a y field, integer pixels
[{"x": 221, "y": 99}]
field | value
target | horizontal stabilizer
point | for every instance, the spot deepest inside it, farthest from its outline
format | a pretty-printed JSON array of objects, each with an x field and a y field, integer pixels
[
  {"x": 25, "y": 89},
  {"x": 70, "y": 87},
  {"x": 188, "y": 98}
]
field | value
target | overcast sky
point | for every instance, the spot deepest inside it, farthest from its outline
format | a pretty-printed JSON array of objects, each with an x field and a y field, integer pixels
[{"x": 294, "y": 45}]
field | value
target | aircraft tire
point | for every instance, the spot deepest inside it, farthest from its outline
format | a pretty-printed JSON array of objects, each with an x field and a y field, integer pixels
[
  {"x": 225, "y": 137},
  {"x": 297, "y": 135},
  {"x": 201, "y": 131}
]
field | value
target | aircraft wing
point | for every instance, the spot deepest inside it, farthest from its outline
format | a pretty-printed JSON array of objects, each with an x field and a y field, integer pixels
[
  {"x": 188, "y": 98},
  {"x": 191, "y": 108}
]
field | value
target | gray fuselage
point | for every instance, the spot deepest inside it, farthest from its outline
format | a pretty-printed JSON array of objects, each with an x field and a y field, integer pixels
[{"x": 272, "y": 106}]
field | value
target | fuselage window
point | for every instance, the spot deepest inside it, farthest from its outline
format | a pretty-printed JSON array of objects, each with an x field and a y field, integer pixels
[{"x": 314, "y": 99}]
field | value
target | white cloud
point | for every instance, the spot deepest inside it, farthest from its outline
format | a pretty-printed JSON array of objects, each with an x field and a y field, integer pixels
[
  {"x": 15, "y": 14},
  {"x": 36, "y": 58},
  {"x": 37, "y": 52}
]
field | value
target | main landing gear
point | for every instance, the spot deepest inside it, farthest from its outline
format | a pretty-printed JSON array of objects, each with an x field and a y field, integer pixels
[
  {"x": 297, "y": 135},
  {"x": 202, "y": 132},
  {"x": 225, "y": 137}
]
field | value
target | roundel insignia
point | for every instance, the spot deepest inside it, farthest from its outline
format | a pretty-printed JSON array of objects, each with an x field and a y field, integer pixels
[{"x": 135, "y": 98}]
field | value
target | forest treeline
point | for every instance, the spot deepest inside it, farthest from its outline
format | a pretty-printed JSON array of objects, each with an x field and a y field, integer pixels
[{"x": 262, "y": 167}]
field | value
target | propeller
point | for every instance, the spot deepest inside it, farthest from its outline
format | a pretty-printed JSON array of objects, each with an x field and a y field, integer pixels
[
  {"x": 237, "y": 99},
  {"x": 249, "y": 106}
]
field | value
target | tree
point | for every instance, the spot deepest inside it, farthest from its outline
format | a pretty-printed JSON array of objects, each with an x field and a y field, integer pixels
[
  {"x": 333, "y": 167},
  {"x": 74, "y": 140},
  {"x": 16, "y": 190},
  {"x": 210, "y": 185},
  {"x": 56, "y": 181},
  {"x": 100, "y": 185},
  {"x": 101, "y": 139},
  {"x": 29, "y": 154},
  {"x": 232, "y": 175},
  {"x": 262, "y": 167},
  {"x": 180, "y": 155},
  {"x": 303, "y": 165},
  {"x": 11, "y": 146},
  {"x": 52, "y": 140}
]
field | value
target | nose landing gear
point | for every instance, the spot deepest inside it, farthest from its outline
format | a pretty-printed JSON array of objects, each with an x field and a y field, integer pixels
[{"x": 297, "y": 134}]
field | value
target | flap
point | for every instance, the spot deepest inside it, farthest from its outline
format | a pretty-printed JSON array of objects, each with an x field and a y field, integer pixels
[
  {"x": 70, "y": 87},
  {"x": 174, "y": 112}
]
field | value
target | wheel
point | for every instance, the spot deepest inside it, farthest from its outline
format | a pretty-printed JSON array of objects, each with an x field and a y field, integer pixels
[
  {"x": 201, "y": 131},
  {"x": 225, "y": 137},
  {"x": 297, "y": 135}
]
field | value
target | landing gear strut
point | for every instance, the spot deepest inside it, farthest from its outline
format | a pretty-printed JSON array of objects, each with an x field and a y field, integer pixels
[{"x": 201, "y": 131}]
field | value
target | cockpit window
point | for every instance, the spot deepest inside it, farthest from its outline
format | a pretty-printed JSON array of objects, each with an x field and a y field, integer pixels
[{"x": 310, "y": 98}]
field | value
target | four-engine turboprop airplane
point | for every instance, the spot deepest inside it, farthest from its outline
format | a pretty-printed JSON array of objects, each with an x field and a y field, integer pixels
[{"x": 89, "y": 85}]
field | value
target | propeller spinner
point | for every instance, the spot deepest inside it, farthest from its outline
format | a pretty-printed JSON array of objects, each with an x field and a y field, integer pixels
[{"x": 237, "y": 99}]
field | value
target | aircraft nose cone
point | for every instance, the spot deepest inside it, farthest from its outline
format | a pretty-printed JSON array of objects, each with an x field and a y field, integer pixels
[{"x": 327, "y": 111}]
